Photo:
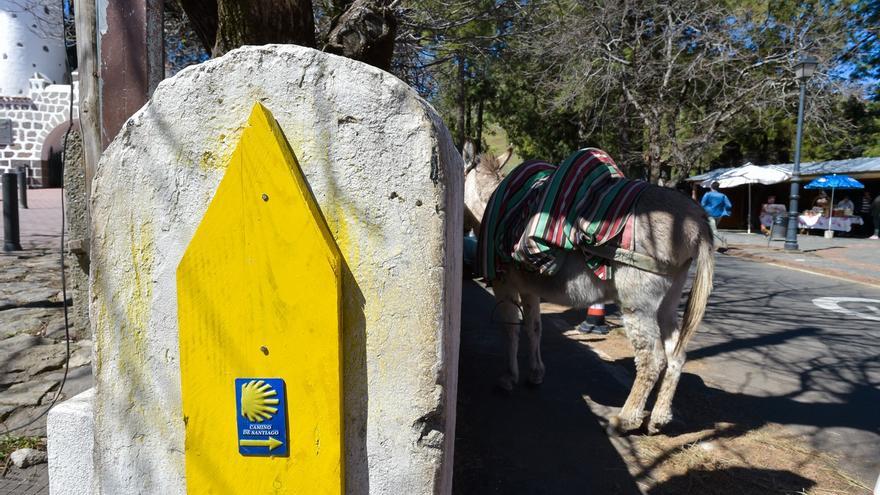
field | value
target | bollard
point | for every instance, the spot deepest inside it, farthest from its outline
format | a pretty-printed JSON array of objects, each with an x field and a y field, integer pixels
[
  {"x": 10, "y": 213},
  {"x": 22, "y": 186}
]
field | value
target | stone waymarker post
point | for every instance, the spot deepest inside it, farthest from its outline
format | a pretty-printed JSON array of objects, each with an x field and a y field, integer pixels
[
  {"x": 388, "y": 182},
  {"x": 258, "y": 296}
]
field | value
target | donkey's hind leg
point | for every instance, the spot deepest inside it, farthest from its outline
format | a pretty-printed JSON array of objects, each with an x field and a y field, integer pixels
[
  {"x": 507, "y": 312},
  {"x": 640, "y": 296},
  {"x": 667, "y": 316},
  {"x": 532, "y": 325},
  {"x": 644, "y": 335}
]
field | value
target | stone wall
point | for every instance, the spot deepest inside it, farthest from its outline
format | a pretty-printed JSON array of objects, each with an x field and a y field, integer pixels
[
  {"x": 388, "y": 180},
  {"x": 38, "y": 123}
]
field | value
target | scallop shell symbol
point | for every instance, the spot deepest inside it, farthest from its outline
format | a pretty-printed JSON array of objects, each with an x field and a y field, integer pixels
[{"x": 257, "y": 401}]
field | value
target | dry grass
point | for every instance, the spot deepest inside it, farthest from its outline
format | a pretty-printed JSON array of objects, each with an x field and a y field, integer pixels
[{"x": 722, "y": 460}]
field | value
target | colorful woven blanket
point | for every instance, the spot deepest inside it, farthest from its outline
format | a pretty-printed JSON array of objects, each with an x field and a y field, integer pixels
[{"x": 540, "y": 209}]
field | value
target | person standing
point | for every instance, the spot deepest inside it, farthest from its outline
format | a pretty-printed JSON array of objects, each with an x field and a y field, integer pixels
[
  {"x": 875, "y": 216},
  {"x": 717, "y": 205}
]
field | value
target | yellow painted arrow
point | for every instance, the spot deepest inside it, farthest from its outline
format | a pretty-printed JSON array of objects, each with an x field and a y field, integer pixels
[
  {"x": 271, "y": 443},
  {"x": 258, "y": 294}
]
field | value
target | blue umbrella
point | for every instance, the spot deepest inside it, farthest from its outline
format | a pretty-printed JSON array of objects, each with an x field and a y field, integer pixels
[{"x": 833, "y": 182}]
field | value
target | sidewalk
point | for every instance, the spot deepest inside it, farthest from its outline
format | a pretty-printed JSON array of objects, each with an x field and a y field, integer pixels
[
  {"x": 40, "y": 223},
  {"x": 32, "y": 339},
  {"x": 849, "y": 258}
]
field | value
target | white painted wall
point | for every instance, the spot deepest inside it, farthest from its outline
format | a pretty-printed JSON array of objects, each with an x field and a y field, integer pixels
[{"x": 30, "y": 42}]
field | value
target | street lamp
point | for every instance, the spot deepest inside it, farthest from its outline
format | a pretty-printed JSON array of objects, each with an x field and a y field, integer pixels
[{"x": 803, "y": 70}]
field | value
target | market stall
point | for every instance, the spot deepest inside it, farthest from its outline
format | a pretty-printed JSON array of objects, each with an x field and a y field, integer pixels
[
  {"x": 811, "y": 220},
  {"x": 840, "y": 220}
]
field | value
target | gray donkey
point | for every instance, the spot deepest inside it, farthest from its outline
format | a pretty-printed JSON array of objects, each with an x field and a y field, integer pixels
[{"x": 672, "y": 232}]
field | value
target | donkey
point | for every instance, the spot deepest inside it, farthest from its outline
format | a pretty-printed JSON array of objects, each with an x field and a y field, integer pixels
[{"x": 670, "y": 228}]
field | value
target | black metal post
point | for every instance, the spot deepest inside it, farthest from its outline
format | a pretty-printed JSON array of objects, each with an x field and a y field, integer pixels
[
  {"x": 10, "y": 212},
  {"x": 791, "y": 243},
  {"x": 22, "y": 186}
]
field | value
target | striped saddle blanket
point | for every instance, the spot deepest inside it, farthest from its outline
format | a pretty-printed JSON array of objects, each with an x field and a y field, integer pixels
[{"x": 541, "y": 210}]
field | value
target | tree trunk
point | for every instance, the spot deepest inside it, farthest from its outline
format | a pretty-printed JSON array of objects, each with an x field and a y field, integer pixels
[
  {"x": 365, "y": 32},
  {"x": 202, "y": 16},
  {"x": 653, "y": 159},
  {"x": 623, "y": 140},
  {"x": 462, "y": 95},
  {"x": 480, "y": 125},
  {"x": 244, "y": 22},
  {"x": 362, "y": 30}
]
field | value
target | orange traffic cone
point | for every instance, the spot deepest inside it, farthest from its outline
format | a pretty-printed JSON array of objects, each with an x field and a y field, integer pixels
[{"x": 595, "y": 322}]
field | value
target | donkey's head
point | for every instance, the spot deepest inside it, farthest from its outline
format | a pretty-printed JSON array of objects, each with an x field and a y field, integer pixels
[{"x": 482, "y": 174}]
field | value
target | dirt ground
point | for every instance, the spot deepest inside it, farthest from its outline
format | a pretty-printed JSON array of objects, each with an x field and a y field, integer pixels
[{"x": 755, "y": 459}]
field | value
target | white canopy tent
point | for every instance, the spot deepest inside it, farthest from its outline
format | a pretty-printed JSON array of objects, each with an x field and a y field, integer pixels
[{"x": 749, "y": 174}]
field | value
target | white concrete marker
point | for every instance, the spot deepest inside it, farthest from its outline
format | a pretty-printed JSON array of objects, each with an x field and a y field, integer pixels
[{"x": 384, "y": 171}]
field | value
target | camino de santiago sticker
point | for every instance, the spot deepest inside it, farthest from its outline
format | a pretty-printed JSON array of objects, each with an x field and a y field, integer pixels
[{"x": 262, "y": 417}]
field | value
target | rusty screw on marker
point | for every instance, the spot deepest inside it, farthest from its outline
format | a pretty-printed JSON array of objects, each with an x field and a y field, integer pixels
[{"x": 265, "y": 197}]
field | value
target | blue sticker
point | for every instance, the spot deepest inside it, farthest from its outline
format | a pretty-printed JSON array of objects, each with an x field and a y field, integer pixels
[{"x": 262, "y": 416}]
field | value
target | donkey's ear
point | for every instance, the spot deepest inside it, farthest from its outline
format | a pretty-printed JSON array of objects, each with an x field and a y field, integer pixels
[
  {"x": 505, "y": 157},
  {"x": 468, "y": 152}
]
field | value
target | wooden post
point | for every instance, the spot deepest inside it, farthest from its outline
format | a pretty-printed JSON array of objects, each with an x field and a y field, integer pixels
[
  {"x": 132, "y": 60},
  {"x": 89, "y": 110}
]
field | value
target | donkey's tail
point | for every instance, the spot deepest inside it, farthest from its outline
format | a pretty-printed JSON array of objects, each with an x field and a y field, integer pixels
[{"x": 702, "y": 287}]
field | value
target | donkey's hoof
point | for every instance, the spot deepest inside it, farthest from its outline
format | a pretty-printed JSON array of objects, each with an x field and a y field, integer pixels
[
  {"x": 658, "y": 422},
  {"x": 624, "y": 425},
  {"x": 507, "y": 382},
  {"x": 671, "y": 427},
  {"x": 536, "y": 377}
]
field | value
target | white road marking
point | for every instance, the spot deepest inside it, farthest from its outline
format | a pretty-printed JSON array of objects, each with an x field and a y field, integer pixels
[{"x": 866, "y": 309}]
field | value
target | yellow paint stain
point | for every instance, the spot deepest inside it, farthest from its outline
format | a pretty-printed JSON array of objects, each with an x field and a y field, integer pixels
[
  {"x": 259, "y": 295},
  {"x": 341, "y": 233},
  {"x": 138, "y": 289},
  {"x": 122, "y": 316}
]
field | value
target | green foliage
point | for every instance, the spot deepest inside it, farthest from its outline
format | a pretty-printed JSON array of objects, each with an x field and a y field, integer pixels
[
  {"x": 861, "y": 138},
  {"x": 678, "y": 86}
]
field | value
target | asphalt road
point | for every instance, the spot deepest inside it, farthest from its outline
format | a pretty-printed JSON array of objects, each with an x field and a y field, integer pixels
[
  {"x": 768, "y": 353},
  {"x": 789, "y": 350}
]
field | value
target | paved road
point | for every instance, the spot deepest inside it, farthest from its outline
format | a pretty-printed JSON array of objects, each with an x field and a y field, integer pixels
[
  {"x": 785, "y": 359},
  {"x": 769, "y": 354}
]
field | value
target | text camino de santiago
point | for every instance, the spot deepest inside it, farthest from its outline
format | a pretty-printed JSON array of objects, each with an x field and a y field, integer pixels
[{"x": 259, "y": 430}]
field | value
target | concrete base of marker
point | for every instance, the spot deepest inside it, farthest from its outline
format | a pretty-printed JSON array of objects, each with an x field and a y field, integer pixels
[{"x": 70, "y": 428}]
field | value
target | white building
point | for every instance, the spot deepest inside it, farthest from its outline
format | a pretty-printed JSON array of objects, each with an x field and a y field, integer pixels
[{"x": 34, "y": 92}]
